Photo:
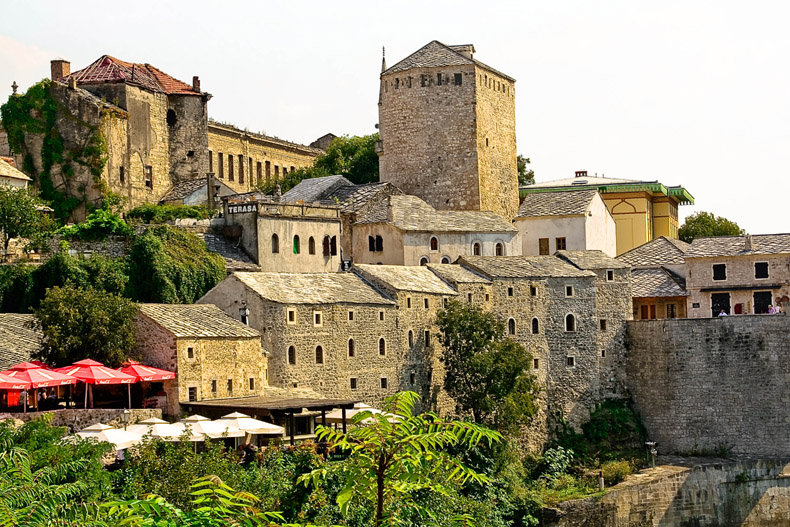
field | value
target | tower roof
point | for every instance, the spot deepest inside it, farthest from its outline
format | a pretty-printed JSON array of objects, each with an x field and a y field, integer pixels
[
  {"x": 107, "y": 69},
  {"x": 436, "y": 55}
]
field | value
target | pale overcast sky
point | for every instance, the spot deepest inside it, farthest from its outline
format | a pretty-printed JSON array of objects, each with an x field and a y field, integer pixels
[{"x": 685, "y": 92}]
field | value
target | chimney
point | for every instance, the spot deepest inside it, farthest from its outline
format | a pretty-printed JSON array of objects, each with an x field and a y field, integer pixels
[
  {"x": 467, "y": 50},
  {"x": 196, "y": 83},
  {"x": 59, "y": 68},
  {"x": 747, "y": 244},
  {"x": 581, "y": 173},
  {"x": 72, "y": 83}
]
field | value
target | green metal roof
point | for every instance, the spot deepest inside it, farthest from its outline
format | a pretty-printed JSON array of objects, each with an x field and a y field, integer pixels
[{"x": 679, "y": 193}]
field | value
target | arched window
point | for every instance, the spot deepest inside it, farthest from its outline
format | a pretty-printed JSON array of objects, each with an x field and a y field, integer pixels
[
  {"x": 291, "y": 355},
  {"x": 476, "y": 249},
  {"x": 500, "y": 249},
  {"x": 371, "y": 244},
  {"x": 434, "y": 243},
  {"x": 535, "y": 326},
  {"x": 379, "y": 243},
  {"x": 511, "y": 327},
  {"x": 171, "y": 118},
  {"x": 445, "y": 259},
  {"x": 275, "y": 243},
  {"x": 570, "y": 322},
  {"x": 319, "y": 355},
  {"x": 350, "y": 347},
  {"x": 327, "y": 248},
  {"x": 424, "y": 260},
  {"x": 411, "y": 338},
  {"x": 311, "y": 245},
  {"x": 333, "y": 245},
  {"x": 382, "y": 347},
  {"x": 297, "y": 245}
]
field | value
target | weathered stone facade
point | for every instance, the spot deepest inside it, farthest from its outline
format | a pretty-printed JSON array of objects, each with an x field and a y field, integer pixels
[
  {"x": 75, "y": 419},
  {"x": 447, "y": 125},
  {"x": 243, "y": 160}
]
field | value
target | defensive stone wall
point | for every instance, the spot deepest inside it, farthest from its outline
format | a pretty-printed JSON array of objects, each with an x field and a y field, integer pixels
[{"x": 716, "y": 384}]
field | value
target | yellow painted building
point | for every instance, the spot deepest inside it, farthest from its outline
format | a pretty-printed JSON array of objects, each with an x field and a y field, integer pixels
[{"x": 642, "y": 210}]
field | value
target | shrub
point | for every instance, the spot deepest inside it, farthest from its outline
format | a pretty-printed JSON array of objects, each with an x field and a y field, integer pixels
[
  {"x": 615, "y": 471},
  {"x": 17, "y": 288},
  {"x": 97, "y": 226},
  {"x": 152, "y": 213}
]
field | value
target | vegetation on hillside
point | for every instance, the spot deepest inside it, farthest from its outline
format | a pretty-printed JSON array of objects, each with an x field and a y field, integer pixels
[{"x": 703, "y": 223}]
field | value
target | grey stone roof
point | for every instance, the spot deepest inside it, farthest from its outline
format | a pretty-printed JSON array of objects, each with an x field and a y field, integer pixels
[
  {"x": 353, "y": 197},
  {"x": 18, "y": 340},
  {"x": 661, "y": 251},
  {"x": 235, "y": 258},
  {"x": 410, "y": 213},
  {"x": 523, "y": 267},
  {"x": 593, "y": 259},
  {"x": 9, "y": 171},
  {"x": 197, "y": 320},
  {"x": 556, "y": 203},
  {"x": 656, "y": 282},
  {"x": 315, "y": 189},
  {"x": 739, "y": 245},
  {"x": 183, "y": 189},
  {"x": 456, "y": 274},
  {"x": 312, "y": 288},
  {"x": 435, "y": 55},
  {"x": 419, "y": 279}
]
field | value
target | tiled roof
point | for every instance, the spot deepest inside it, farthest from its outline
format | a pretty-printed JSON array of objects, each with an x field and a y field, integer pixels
[
  {"x": 197, "y": 320},
  {"x": 107, "y": 69},
  {"x": 353, "y": 197},
  {"x": 235, "y": 258},
  {"x": 556, "y": 203},
  {"x": 419, "y": 279},
  {"x": 593, "y": 259},
  {"x": 410, "y": 213},
  {"x": 184, "y": 189},
  {"x": 315, "y": 189},
  {"x": 457, "y": 275},
  {"x": 18, "y": 340},
  {"x": 436, "y": 55},
  {"x": 312, "y": 288},
  {"x": 523, "y": 266},
  {"x": 737, "y": 245},
  {"x": 656, "y": 282},
  {"x": 657, "y": 252},
  {"x": 332, "y": 190},
  {"x": 9, "y": 171}
]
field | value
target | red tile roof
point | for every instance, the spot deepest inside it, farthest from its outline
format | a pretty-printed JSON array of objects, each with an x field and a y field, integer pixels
[{"x": 108, "y": 69}]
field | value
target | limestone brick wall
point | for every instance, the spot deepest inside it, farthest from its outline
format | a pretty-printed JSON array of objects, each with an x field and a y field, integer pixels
[
  {"x": 613, "y": 310},
  {"x": 429, "y": 136},
  {"x": 704, "y": 384},
  {"x": 495, "y": 109},
  {"x": 714, "y": 493},
  {"x": 740, "y": 282},
  {"x": 274, "y": 156},
  {"x": 188, "y": 137},
  {"x": 75, "y": 419}
]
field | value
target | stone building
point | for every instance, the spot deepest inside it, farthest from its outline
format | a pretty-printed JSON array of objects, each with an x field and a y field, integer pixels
[
  {"x": 244, "y": 160},
  {"x": 738, "y": 274},
  {"x": 642, "y": 210},
  {"x": 448, "y": 130},
  {"x": 197, "y": 192},
  {"x": 658, "y": 278},
  {"x": 9, "y": 175},
  {"x": 405, "y": 230},
  {"x": 213, "y": 355}
]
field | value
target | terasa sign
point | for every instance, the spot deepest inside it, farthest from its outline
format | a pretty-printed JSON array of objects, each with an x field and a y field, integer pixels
[{"x": 242, "y": 209}]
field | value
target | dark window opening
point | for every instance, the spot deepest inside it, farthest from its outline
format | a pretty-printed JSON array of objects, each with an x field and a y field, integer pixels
[
  {"x": 192, "y": 393},
  {"x": 603, "y": 324},
  {"x": 509, "y": 291},
  {"x": 383, "y": 383},
  {"x": 275, "y": 244},
  {"x": 230, "y": 385},
  {"x": 438, "y": 79},
  {"x": 230, "y": 167},
  {"x": 210, "y": 161},
  {"x": 252, "y": 383},
  {"x": 213, "y": 386},
  {"x": 190, "y": 353},
  {"x": 535, "y": 364},
  {"x": 458, "y": 78},
  {"x": 761, "y": 270},
  {"x": 379, "y": 243},
  {"x": 171, "y": 118},
  {"x": 121, "y": 175},
  {"x": 511, "y": 327},
  {"x": 533, "y": 291},
  {"x": 259, "y": 172},
  {"x": 603, "y": 354},
  {"x": 535, "y": 326},
  {"x": 191, "y": 153},
  {"x": 291, "y": 355},
  {"x": 568, "y": 290},
  {"x": 311, "y": 245},
  {"x": 570, "y": 361},
  {"x": 412, "y": 378},
  {"x": 382, "y": 347},
  {"x": 221, "y": 160},
  {"x": 500, "y": 249},
  {"x": 319, "y": 355},
  {"x": 720, "y": 272},
  {"x": 149, "y": 176},
  {"x": 476, "y": 249},
  {"x": 423, "y": 261},
  {"x": 241, "y": 168},
  {"x": 371, "y": 244},
  {"x": 351, "y": 347},
  {"x": 427, "y": 338},
  {"x": 560, "y": 243},
  {"x": 327, "y": 246},
  {"x": 609, "y": 275},
  {"x": 411, "y": 338},
  {"x": 570, "y": 323},
  {"x": 434, "y": 243},
  {"x": 333, "y": 245},
  {"x": 672, "y": 311},
  {"x": 297, "y": 245},
  {"x": 352, "y": 382}
]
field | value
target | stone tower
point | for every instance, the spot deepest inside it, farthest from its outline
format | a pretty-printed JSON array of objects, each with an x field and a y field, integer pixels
[{"x": 448, "y": 130}]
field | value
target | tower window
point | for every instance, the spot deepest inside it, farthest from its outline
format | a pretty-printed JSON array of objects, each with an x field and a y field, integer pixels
[
  {"x": 351, "y": 349},
  {"x": 352, "y": 383},
  {"x": 383, "y": 383},
  {"x": 511, "y": 327},
  {"x": 570, "y": 361},
  {"x": 438, "y": 79},
  {"x": 609, "y": 275},
  {"x": 382, "y": 347},
  {"x": 458, "y": 79},
  {"x": 509, "y": 291},
  {"x": 171, "y": 118},
  {"x": 535, "y": 326},
  {"x": 230, "y": 167},
  {"x": 192, "y": 393},
  {"x": 149, "y": 176},
  {"x": 121, "y": 175},
  {"x": 319, "y": 355},
  {"x": 570, "y": 322},
  {"x": 291, "y": 355},
  {"x": 603, "y": 324},
  {"x": 411, "y": 338},
  {"x": 427, "y": 338}
]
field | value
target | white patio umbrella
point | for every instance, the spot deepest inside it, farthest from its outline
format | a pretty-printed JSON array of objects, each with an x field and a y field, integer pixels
[
  {"x": 200, "y": 427},
  {"x": 122, "y": 439},
  {"x": 157, "y": 428},
  {"x": 336, "y": 416},
  {"x": 249, "y": 425}
]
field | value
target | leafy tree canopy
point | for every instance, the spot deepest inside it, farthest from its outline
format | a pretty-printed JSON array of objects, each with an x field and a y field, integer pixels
[
  {"x": 526, "y": 176},
  {"x": 85, "y": 324},
  {"x": 19, "y": 216},
  {"x": 486, "y": 373},
  {"x": 706, "y": 224},
  {"x": 171, "y": 266},
  {"x": 154, "y": 213}
]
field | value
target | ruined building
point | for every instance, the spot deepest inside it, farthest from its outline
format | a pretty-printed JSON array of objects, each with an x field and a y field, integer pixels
[{"x": 448, "y": 130}]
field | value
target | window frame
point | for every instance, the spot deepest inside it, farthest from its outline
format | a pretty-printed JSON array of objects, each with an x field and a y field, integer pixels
[
  {"x": 767, "y": 271},
  {"x": 723, "y": 267}
]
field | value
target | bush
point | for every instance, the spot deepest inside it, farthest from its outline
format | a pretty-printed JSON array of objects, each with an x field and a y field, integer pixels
[
  {"x": 615, "y": 471},
  {"x": 97, "y": 226},
  {"x": 17, "y": 288},
  {"x": 152, "y": 213}
]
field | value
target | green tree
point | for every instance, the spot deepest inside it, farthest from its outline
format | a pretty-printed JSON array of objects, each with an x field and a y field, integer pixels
[
  {"x": 704, "y": 223},
  {"x": 391, "y": 463},
  {"x": 525, "y": 176},
  {"x": 171, "y": 266},
  {"x": 19, "y": 216},
  {"x": 485, "y": 372},
  {"x": 85, "y": 323}
]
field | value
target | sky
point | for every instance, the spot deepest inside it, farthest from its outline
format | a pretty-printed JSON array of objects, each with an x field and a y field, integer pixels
[{"x": 692, "y": 93}]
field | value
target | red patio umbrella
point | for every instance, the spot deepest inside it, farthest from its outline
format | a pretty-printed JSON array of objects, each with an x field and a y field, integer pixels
[
  {"x": 9, "y": 383},
  {"x": 37, "y": 377},
  {"x": 93, "y": 372},
  {"x": 146, "y": 373}
]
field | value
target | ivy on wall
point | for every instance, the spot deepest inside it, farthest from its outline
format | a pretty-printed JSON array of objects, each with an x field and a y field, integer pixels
[{"x": 37, "y": 112}]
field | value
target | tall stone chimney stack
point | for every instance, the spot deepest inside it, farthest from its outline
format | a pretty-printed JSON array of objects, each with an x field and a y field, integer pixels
[
  {"x": 196, "y": 83},
  {"x": 60, "y": 68}
]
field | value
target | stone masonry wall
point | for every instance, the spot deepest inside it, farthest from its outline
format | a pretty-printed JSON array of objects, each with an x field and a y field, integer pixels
[
  {"x": 75, "y": 419},
  {"x": 710, "y": 384},
  {"x": 698, "y": 493}
]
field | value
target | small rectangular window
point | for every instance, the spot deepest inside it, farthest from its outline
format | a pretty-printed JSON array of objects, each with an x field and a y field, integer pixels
[
  {"x": 259, "y": 172},
  {"x": 568, "y": 290},
  {"x": 570, "y": 362},
  {"x": 383, "y": 383},
  {"x": 190, "y": 353},
  {"x": 603, "y": 324},
  {"x": 609, "y": 275},
  {"x": 458, "y": 78},
  {"x": 672, "y": 311},
  {"x": 149, "y": 176},
  {"x": 241, "y": 168},
  {"x": 543, "y": 246},
  {"x": 221, "y": 161},
  {"x": 408, "y": 302},
  {"x": 423, "y": 80},
  {"x": 210, "y": 161},
  {"x": 121, "y": 175},
  {"x": 230, "y": 385},
  {"x": 487, "y": 297},
  {"x": 291, "y": 317},
  {"x": 560, "y": 243},
  {"x": 317, "y": 319},
  {"x": 412, "y": 378},
  {"x": 720, "y": 271},
  {"x": 213, "y": 386},
  {"x": 425, "y": 303},
  {"x": 252, "y": 383},
  {"x": 535, "y": 364},
  {"x": 352, "y": 383},
  {"x": 192, "y": 393},
  {"x": 438, "y": 79},
  {"x": 761, "y": 270},
  {"x": 427, "y": 338},
  {"x": 469, "y": 297},
  {"x": 381, "y": 315},
  {"x": 230, "y": 167},
  {"x": 509, "y": 291},
  {"x": 350, "y": 316},
  {"x": 533, "y": 291},
  {"x": 603, "y": 354}
]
